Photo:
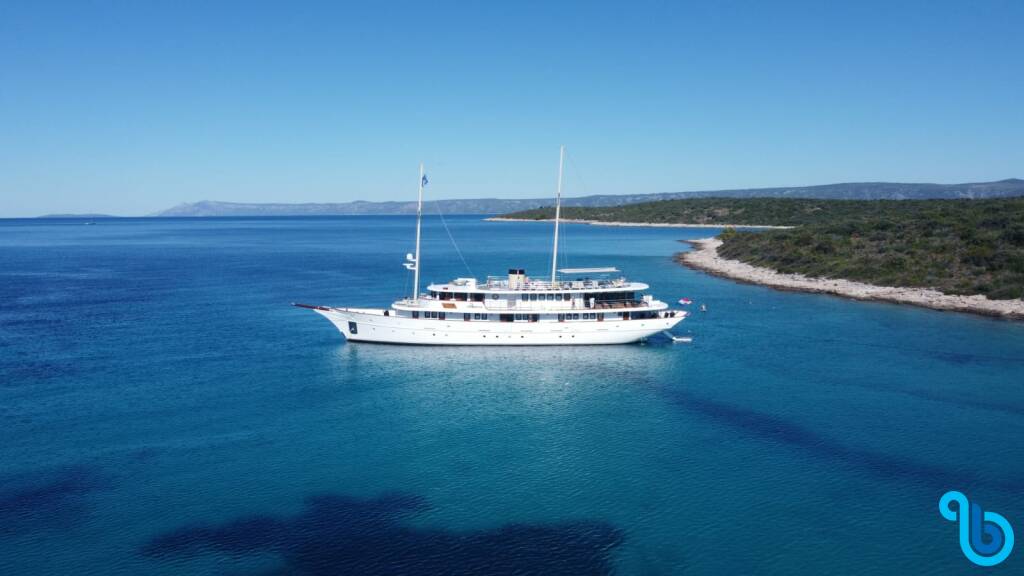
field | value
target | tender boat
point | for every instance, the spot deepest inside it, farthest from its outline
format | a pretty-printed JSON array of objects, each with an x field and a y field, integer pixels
[{"x": 571, "y": 306}]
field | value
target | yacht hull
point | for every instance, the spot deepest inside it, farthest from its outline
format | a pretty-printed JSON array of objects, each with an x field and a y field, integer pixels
[{"x": 372, "y": 325}]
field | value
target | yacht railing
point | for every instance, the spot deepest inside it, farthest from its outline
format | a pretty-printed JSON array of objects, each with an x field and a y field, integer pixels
[
  {"x": 517, "y": 305},
  {"x": 502, "y": 283}
]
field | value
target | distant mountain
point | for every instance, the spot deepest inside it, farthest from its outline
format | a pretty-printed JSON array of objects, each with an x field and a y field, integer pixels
[
  {"x": 849, "y": 191},
  {"x": 78, "y": 216}
]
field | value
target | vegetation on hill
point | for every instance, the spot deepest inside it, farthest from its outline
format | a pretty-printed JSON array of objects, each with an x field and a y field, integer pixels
[
  {"x": 954, "y": 246},
  {"x": 730, "y": 211}
]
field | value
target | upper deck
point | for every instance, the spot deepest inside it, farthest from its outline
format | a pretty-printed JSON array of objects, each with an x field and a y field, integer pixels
[
  {"x": 504, "y": 285},
  {"x": 518, "y": 292}
]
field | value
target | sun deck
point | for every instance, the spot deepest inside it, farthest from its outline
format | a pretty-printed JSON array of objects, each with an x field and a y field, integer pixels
[
  {"x": 503, "y": 304},
  {"x": 503, "y": 285}
]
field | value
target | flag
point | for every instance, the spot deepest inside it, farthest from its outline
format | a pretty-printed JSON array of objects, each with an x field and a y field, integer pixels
[{"x": 424, "y": 181}]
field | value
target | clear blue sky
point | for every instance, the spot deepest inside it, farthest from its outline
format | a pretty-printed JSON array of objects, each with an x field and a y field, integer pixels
[{"x": 131, "y": 107}]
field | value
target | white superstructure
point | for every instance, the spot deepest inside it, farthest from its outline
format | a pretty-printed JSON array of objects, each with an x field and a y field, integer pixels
[{"x": 583, "y": 306}]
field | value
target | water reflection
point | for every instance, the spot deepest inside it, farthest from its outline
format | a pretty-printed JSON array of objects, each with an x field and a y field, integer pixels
[{"x": 542, "y": 372}]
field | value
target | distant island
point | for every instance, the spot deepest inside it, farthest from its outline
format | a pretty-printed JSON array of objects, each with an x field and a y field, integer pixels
[
  {"x": 849, "y": 191},
  {"x": 83, "y": 216},
  {"x": 947, "y": 254}
]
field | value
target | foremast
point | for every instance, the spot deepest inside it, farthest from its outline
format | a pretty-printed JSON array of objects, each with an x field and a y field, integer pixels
[
  {"x": 558, "y": 213},
  {"x": 413, "y": 262}
]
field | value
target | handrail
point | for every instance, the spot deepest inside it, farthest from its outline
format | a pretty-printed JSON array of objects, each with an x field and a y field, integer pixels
[
  {"x": 499, "y": 282},
  {"x": 517, "y": 305}
]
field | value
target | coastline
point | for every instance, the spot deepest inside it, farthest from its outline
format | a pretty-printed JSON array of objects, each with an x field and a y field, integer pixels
[
  {"x": 637, "y": 224},
  {"x": 704, "y": 257}
]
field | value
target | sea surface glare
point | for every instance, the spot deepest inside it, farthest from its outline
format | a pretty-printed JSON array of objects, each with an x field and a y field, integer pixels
[{"x": 163, "y": 410}]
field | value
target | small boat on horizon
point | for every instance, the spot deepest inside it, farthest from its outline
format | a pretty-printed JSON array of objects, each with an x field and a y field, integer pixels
[{"x": 582, "y": 306}]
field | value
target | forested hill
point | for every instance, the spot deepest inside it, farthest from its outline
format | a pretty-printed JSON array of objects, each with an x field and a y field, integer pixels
[
  {"x": 760, "y": 211},
  {"x": 954, "y": 246}
]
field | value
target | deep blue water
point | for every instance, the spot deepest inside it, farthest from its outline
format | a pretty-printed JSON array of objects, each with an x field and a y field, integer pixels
[{"x": 165, "y": 411}]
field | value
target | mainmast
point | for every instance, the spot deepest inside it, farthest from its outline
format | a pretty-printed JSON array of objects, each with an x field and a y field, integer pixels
[
  {"x": 558, "y": 213},
  {"x": 413, "y": 262}
]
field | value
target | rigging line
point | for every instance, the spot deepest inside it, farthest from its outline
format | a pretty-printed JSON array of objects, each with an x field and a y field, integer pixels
[
  {"x": 437, "y": 204},
  {"x": 583, "y": 185},
  {"x": 563, "y": 254}
]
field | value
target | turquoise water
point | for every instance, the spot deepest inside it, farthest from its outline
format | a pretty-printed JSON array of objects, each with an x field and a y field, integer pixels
[{"x": 164, "y": 411}]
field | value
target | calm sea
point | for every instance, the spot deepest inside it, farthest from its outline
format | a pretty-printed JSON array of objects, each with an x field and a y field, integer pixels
[{"x": 163, "y": 410}]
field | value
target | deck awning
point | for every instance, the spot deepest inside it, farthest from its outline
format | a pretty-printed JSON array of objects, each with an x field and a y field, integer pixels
[{"x": 588, "y": 270}]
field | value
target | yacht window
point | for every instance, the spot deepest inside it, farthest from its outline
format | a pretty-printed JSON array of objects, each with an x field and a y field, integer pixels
[
  {"x": 415, "y": 313},
  {"x": 352, "y": 328},
  {"x": 440, "y": 315},
  {"x": 575, "y": 316},
  {"x": 494, "y": 296},
  {"x": 465, "y": 316},
  {"x": 533, "y": 296},
  {"x": 561, "y": 317},
  {"x": 524, "y": 297}
]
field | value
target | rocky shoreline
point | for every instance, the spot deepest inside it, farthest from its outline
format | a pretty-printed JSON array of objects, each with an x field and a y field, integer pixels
[
  {"x": 704, "y": 256},
  {"x": 636, "y": 224}
]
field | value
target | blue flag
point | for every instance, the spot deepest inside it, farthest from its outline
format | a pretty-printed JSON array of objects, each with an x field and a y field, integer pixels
[{"x": 424, "y": 183}]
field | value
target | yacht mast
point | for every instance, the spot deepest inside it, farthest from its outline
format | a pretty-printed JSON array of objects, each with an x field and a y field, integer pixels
[
  {"x": 558, "y": 212},
  {"x": 416, "y": 261}
]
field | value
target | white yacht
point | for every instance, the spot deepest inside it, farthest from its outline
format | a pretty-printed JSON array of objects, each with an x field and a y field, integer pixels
[{"x": 571, "y": 306}]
